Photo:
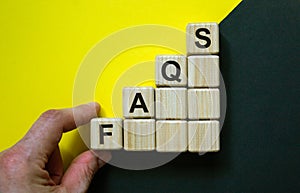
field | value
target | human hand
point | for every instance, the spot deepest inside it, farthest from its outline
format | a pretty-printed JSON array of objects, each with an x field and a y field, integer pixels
[{"x": 34, "y": 164}]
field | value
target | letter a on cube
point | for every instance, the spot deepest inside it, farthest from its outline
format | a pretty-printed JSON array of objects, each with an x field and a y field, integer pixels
[
  {"x": 138, "y": 102},
  {"x": 106, "y": 133}
]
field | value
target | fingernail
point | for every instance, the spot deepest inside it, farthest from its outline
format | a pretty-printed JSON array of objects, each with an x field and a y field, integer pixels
[{"x": 93, "y": 104}]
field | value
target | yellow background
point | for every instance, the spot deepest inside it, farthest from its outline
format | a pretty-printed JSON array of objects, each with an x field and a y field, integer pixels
[{"x": 42, "y": 44}]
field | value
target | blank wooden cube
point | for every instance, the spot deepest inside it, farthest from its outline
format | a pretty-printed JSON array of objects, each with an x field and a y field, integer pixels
[
  {"x": 203, "y": 71},
  {"x": 171, "y": 136},
  {"x": 171, "y": 70},
  {"x": 203, "y": 103},
  {"x": 203, "y": 136},
  {"x": 106, "y": 133},
  {"x": 202, "y": 38},
  {"x": 171, "y": 103},
  {"x": 139, "y": 134},
  {"x": 138, "y": 102}
]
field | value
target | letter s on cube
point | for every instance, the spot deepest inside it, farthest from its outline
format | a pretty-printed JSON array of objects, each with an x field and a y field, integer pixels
[{"x": 202, "y": 38}]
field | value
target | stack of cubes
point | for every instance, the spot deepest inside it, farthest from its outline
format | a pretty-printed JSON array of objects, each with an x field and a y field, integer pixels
[{"x": 182, "y": 113}]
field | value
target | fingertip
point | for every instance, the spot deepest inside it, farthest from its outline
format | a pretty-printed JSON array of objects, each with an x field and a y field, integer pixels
[
  {"x": 84, "y": 113},
  {"x": 95, "y": 105},
  {"x": 81, "y": 171}
]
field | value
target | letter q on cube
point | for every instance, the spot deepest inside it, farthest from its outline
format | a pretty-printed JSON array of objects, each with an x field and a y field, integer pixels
[{"x": 171, "y": 70}]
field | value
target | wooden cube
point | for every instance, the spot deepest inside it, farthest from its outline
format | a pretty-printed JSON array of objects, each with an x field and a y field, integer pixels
[
  {"x": 139, "y": 134},
  {"x": 203, "y": 136},
  {"x": 203, "y": 104},
  {"x": 171, "y": 70},
  {"x": 138, "y": 102},
  {"x": 203, "y": 71},
  {"x": 202, "y": 38},
  {"x": 106, "y": 133},
  {"x": 171, "y": 136},
  {"x": 171, "y": 103}
]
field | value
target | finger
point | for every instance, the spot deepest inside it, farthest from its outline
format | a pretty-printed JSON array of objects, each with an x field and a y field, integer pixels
[
  {"x": 55, "y": 166},
  {"x": 81, "y": 171},
  {"x": 46, "y": 132}
]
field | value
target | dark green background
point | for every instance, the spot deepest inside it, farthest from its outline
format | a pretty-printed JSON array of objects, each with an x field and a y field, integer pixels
[{"x": 260, "y": 148}]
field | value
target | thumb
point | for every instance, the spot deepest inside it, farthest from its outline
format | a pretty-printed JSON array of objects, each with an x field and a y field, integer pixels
[{"x": 81, "y": 171}]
